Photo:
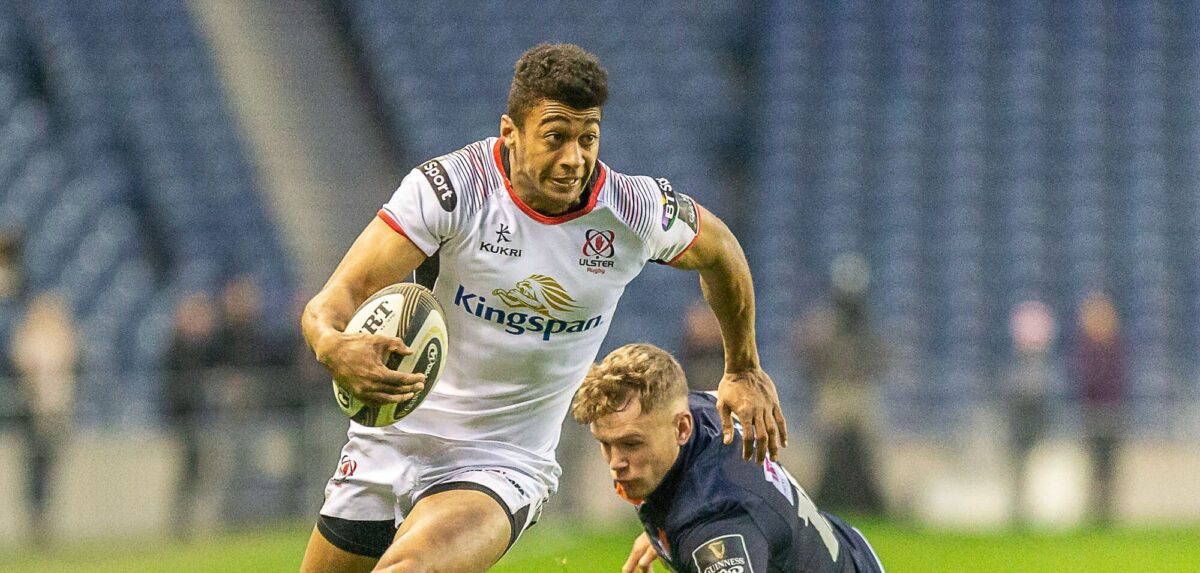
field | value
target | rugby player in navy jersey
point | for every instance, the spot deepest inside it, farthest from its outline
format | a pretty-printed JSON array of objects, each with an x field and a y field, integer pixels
[{"x": 704, "y": 508}]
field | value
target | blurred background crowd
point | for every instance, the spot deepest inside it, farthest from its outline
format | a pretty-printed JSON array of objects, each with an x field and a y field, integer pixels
[{"x": 973, "y": 228}]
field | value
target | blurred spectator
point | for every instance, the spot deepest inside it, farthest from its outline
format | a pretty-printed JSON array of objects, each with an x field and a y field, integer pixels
[
  {"x": 309, "y": 379},
  {"x": 45, "y": 352},
  {"x": 843, "y": 357},
  {"x": 1032, "y": 328},
  {"x": 1098, "y": 365},
  {"x": 244, "y": 340},
  {"x": 10, "y": 267},
  {"x": 703, "y": 355},
  {"x": 317, "y": 415},
  {"x": 261, "y": 402},
  {"x": 247, "y": 350},
  {"x": 10, "y": 294},
  {"x": 192, "y": 356}
]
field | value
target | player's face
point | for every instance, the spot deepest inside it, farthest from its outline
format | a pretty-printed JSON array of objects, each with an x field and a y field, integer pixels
[
  {"x": 641, "y": 447},
  {"x": 552, "y": 155}
]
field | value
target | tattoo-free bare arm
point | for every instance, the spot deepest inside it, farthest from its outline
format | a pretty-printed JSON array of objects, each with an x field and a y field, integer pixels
[
  {"x": 745, "y": 390},
  {"x": 378, "y": 258}
]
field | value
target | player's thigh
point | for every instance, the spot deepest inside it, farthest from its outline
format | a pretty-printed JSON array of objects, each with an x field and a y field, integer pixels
[
  {"x": 322, "y": 556},
  {"x": 458, "y": 530}
]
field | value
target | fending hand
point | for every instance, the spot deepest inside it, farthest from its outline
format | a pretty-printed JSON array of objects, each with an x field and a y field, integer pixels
[{"x": 751, "y": 396}]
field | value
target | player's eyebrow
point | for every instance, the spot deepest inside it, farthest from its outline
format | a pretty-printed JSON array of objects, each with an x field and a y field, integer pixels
[
  {"x": 621, "y": 437},
  {"x": 561, "y": 117}
]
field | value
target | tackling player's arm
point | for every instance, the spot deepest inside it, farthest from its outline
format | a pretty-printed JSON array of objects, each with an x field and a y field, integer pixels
[
  {"x": 641, "y": 556},
  {"x": 745, "y": 390},
  {"x": 378, "y": 258}
]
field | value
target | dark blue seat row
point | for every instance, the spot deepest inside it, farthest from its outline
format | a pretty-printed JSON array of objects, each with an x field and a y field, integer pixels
[
  {"x": 123, "y": 175},
  {"x": 982, "y": 154}
]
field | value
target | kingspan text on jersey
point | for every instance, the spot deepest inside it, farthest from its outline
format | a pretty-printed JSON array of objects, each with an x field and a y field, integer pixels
[{"x": 519, "y": 322}]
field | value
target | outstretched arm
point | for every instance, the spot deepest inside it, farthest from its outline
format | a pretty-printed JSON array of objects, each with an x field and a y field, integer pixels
[
  {"x": 379, "y": 257},
  {"x": 745, "y": 390}
]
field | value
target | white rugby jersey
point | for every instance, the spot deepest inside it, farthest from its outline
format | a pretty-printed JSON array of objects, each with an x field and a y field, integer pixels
[{"x": 528, "y": 298}]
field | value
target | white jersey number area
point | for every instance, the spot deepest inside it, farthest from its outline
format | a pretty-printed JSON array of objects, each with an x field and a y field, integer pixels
[{"x": 805, "y": 508}]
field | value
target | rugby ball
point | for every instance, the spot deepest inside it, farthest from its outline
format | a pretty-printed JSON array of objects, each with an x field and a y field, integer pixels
[{"x": 409, "y": 312}]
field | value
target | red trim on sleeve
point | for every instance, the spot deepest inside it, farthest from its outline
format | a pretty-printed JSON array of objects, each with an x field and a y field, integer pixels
[
  {"x": 395, "y": 225},
  {"x": 699, "y": 227},
  {"x": 546, "y": 219}
]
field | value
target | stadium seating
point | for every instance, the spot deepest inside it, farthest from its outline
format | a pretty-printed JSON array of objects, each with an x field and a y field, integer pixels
[
  {"x": 982, "y": 155},
  {"x": 123, "y": 174}
]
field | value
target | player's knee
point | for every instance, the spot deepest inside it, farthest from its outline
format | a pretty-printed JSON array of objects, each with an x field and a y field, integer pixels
[
  {"x": 405, "y": 556},
  {"x": 406, "y": 565},
  {"x": 413, "y": 556}
]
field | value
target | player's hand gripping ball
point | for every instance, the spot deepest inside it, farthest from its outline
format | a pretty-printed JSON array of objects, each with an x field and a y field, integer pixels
[{"x": 409, "y": 312}]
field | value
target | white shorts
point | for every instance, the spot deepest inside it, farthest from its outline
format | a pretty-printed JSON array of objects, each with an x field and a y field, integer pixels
[{"x": 383, "y": 472}]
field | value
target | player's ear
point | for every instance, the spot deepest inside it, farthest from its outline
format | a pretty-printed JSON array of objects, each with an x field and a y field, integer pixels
[
  {"x": 508, "y": 127},
  {"x": 683, "y": 427}
]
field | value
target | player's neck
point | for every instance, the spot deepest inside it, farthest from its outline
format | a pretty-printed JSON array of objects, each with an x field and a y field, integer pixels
[
  {"x": 536, "y": 201},
  {"x": 526, "y": 190}
]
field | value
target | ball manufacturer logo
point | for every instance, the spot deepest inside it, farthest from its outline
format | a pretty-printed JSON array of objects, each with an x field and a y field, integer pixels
[
  {"x": 435, "y": 173},
  {"x": 377, "y": 318},
  {"x": 343, "y": 397},
  {"x": 428, "y": 363},
  {"x": 432, "y": 351}
]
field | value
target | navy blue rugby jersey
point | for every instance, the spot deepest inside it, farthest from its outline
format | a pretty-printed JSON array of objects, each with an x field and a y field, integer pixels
[{"x": 715, "y": 512}]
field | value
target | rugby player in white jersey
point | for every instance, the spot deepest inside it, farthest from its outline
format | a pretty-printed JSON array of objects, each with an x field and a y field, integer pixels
[{"x": 537, "y": 240}]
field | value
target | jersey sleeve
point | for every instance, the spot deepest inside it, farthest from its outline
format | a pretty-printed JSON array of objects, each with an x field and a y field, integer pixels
[
  {"x": 676, "y": 225},
  {"x": 423, "y": 208},
  {"x": 732, "y": 543}
]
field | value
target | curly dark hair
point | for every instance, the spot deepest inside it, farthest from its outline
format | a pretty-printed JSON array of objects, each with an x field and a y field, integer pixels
[{"x": 561, "y": 72}]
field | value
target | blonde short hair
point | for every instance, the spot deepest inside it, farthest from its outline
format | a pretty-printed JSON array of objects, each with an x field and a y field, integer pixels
[{"x": 642, "y": 371}]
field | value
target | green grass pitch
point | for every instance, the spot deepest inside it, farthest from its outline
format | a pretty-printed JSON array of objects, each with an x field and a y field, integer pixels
[{"x": 555, "y": 546}]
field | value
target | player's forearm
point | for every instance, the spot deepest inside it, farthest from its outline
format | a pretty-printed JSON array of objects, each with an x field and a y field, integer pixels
[
  {"x": 325, "y": 317},
  {"x": 379, "y": 257},
  {"x": 729, "y": 290}
]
